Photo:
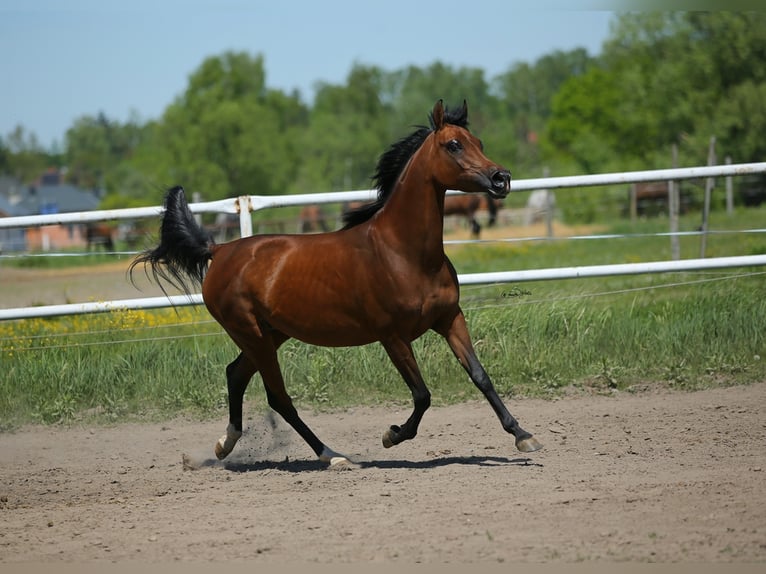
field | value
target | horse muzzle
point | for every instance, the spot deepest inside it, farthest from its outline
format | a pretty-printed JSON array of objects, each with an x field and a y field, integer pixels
[{"x": 500, "y": 183}]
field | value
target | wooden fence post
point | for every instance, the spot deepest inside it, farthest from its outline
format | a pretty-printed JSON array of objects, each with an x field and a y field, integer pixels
[
  {"x": 633, "y": 202},
  {"x": 729, "y": 190},
  {"x": 674, "y": 206},
  {"x": 548, "y": 205},
  {"x": 709, "y": 182}
]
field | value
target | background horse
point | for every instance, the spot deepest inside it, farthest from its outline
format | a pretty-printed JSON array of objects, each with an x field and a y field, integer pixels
[
  {"x": 311, "y": 219},
  {"x": 98, "y": 234},
  {"x": 382, "y": 277},
  {"x": 468, "y": 205}
]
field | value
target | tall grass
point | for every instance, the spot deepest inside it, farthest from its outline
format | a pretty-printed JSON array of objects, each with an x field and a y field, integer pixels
[{"x": 682, "y": 330}]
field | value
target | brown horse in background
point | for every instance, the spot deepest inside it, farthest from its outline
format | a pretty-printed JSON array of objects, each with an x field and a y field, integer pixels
[
  {"x": 99, "y": 234},
  {"x": 382, "y": 277},
  {"x": 468, "y": 205},
  {"x": 311, "y": 219}
]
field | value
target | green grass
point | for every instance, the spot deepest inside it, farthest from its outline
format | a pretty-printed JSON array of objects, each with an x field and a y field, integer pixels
[{"x": 542, "y": 339}]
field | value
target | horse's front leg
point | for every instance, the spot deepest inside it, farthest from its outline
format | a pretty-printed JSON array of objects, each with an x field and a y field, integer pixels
[
  {"x": 403, "y": 358},
  {"x": 456, "y": 334}
]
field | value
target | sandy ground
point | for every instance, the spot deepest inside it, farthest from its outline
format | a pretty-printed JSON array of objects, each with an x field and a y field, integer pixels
[
  {"x": 21, "y": 287},
  {"x": 657, "y": 476}
]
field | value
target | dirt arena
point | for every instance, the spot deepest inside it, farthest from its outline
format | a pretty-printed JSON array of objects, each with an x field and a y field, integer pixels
[{"x": 657, "y": 476}]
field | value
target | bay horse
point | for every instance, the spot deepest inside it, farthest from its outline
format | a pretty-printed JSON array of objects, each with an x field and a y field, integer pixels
[
  {"x": 98, "y": 234},
  {"x": 383, "y": 277},
  {"x": 468, "y": 205},
  {"x": 312, "y": 218}
]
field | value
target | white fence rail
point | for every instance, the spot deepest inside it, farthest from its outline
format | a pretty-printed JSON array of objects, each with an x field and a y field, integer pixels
[
  {"x": 464, "y": 279},
  {"x": 249, "y": 203},
  {"x": 243, "y": 205}
]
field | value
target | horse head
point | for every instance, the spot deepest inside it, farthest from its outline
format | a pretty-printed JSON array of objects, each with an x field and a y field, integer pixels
[{"x": 458, "y": 157}]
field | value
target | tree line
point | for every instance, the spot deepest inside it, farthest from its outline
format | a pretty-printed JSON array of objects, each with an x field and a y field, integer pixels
[{"x": 662, "y": 78}]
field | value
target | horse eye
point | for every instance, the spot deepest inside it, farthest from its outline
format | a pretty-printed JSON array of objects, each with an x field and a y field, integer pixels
[{"x": 454, "y": 146}]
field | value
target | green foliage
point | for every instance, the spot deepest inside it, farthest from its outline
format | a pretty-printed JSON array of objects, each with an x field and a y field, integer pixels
[
  {"x": 96, "y": 146},
  {"x": 587, "y": 122},
  {"x": 22, "y": 156},
  {"x": 329, "y": 158},
  {"x": 664, "y": 78},
  {"x": 227, "y": 135}
]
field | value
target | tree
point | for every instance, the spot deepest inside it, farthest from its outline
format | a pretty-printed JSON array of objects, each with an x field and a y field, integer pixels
[
  {"x": 664, "y": 78},
  {"x": 227, "y": 134},
  {"x": 348, "y": 129},
  {"x": 417, "y": 89},
  {"x": 525, "y": 98},
  {"x": 738, "y": 123},
  {"x": 5, "y": 157},
  {"x": 26, "y": 158},
  {"x": 586, "y": 122},
  {"x": 96, "y": 146}
]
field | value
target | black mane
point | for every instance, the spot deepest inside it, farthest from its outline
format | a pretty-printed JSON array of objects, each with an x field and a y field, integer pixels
[{"x": 392, "y": 162}]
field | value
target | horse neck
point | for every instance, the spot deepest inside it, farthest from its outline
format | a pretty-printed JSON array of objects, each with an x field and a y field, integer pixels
[{"x": 412, "y": 221}]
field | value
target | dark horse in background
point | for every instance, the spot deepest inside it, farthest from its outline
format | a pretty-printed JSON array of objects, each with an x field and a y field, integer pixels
[
  {"x": 468, "y": 205},
  {"x": 382, "y": 277},
  {"x": 99, "y": 234},
  {"x": 311, "y": 219}
]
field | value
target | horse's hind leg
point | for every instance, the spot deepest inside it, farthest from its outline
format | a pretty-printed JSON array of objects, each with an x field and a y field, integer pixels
[
  {"x": 456, "y": 334},
  {"x": 238, "y": 375},
  {"x": 264, "y": 353}
]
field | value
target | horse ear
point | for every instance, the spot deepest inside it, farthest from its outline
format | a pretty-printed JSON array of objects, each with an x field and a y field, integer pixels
[
  {"x": 464, "y": 111},
  {"x": 437, "y": 115}
]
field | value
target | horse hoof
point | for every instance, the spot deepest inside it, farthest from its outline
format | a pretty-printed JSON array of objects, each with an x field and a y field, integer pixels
[
  {"x": 530, "y": 444},
  {"x": 336, "y": 460},
  {"x": 391, "y": 436},
  {"x": 342, "y": 463},
  {"x": 226, "y": 443},
  {"x": 220, "y": 450}
]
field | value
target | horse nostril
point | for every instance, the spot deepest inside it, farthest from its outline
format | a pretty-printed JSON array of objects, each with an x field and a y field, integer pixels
[{"x": 501, "y": 179}]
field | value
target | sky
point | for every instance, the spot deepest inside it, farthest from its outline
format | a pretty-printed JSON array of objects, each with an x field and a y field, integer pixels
[{"x": 64, "y": 59}]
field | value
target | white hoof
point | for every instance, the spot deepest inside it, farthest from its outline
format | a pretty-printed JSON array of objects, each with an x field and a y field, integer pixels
[
  {"x": 226, "y": 443},
  {"x": 335, "y": 460}
]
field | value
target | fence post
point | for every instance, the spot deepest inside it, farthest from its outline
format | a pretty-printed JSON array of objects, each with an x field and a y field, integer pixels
[
  {"x": 548, "y": 204},
  {"x": 674, "y": 206},
  {"x": 633, "y": 202},
  {"x": 245, "y": 220},
  {"x": 729, "y": 190},
  {"x": 708, "y": 192}
]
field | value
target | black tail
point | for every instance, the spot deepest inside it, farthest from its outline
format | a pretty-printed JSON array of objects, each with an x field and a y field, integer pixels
[{"x": 182, "y": 256}]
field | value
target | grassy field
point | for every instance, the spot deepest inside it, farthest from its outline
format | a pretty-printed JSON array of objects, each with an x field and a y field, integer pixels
[{"x": 682, "y": 330}]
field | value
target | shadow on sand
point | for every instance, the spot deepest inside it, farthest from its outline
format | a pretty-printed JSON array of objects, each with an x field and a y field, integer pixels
[{"x": 298, "y": 466}]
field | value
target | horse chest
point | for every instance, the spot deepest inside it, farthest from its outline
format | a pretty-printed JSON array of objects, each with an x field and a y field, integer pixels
[{"x": 419, "y": 306}]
